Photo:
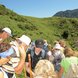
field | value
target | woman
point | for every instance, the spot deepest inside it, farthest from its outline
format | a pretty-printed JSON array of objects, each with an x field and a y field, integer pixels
[
  {"x": 67, "y": 62},
  {"x": 44, "y": 69}
]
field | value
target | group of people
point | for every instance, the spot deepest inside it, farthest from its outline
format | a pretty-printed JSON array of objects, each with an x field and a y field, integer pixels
[{"x": 37, "y": 58}]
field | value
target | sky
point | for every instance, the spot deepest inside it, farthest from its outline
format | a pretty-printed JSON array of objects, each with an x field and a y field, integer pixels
[{"x": 39, "y": 8}]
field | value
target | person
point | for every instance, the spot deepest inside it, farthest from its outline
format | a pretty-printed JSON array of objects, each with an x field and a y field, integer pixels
[
  {"x": 45, "y": 46},
  {"x": 67, "y": 62},
  {"x": 44, "y": 69},
  {"x": 36, "y": 54},
  {"x": 50, "y": 57},
  {"x": 24, "y": 41},
  {"x": 62, "y": 44},
  {"x": 5, "y": 33},
  {"x": 17, "y": 62},
  {"x": 5, "y": 52},
  {"x": 58, "y": 56}
]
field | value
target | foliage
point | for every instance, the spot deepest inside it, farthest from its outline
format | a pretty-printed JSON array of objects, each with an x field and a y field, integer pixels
[{"x": 52, "y": 28}]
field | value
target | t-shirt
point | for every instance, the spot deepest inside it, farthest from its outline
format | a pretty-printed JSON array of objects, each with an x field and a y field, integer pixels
[
  {"x": 66, "y": 62},
  {"x": 7, "y": 53},
  {"x": 35, "y": 58}
]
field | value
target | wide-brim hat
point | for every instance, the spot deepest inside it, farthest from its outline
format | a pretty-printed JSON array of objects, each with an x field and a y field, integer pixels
[
  {"x": 25, "y": 39},
  {"x": 57, "y": 46}
]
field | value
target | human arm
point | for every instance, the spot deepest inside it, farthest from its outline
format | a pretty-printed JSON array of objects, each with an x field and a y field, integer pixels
[
  {"x": 18, "y": 69},
  {"x": 4, "y": 60},
  {"x": 28, "y": 69},
  {"x": 60, "y": 73},
  {"x": 28, "y": 61}
]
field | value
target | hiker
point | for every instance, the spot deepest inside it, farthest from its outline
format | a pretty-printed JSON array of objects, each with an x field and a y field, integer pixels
[
  {"x": 5, "y": 52},
  {"x": 45, "y": 46},
  {"x": 36, "y": 54},
  {"x": 63, "y": 45},
  {"x": 5, "y": 33},
  {"x": 67, "y": 62},
  {"x": 50, "y": 57},
  {"x": 44, "y": 69},
  {"x": 58, "y": 56},
  {"x": 19, "y": 45},
  {"x": 23, "y": 41}
]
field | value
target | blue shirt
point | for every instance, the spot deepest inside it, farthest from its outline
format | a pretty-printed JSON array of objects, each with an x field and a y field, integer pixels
[{"x": 7, "y": 53}]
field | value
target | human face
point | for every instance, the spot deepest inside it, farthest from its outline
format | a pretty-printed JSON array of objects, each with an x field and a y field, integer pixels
[
  {"x": 37, "y": 49},
  {"x": 20, "y": 43},
  {"x": 5, "y": 35}
]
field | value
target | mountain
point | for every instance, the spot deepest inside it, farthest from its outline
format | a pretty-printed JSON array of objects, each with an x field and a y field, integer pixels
[
  {"x": 51, "y": 29},
  {"x": 67, "y": 13}
]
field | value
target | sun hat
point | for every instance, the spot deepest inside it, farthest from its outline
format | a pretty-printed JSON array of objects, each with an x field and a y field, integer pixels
[
  {"x": 57, "y": 46},
  {"x": 39, "y": 43},
  {"x": 25, "y": 39},
  {"x": 8, "y": 30}
]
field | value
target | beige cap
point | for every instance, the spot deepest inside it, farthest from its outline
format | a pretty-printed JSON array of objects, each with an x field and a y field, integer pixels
[{"x": 8, "y": 30}]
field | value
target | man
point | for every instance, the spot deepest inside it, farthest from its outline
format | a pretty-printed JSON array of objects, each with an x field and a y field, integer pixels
[
  {"x": 36, "y": 54},
  {"x": 6, "y": 32},
  {"x": 18, "y": 57},
  {"x": 21, "y": 44}
]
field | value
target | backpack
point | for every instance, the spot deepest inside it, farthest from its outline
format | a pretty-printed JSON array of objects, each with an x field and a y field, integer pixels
[{"x": 72, "y": 72}]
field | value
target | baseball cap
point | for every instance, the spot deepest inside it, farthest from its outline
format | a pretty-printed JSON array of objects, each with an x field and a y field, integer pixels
[
  {"x": 7, "y": 30},
  {"x": 25, "y": 39},
  {"x": 39, "y": 43}
]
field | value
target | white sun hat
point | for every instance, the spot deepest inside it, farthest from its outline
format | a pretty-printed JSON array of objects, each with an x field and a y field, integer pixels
[
  {"x": 8, "y": 30},
  {"x": 57, "y": 46},
  {"x": 25, "y": 39}
]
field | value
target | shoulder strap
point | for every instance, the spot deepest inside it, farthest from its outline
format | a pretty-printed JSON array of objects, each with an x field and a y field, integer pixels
[
  {"x": 43, "y": 54},
  {"x": 32, "y": 53}
]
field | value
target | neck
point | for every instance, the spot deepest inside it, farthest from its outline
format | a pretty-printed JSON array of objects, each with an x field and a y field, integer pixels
[{"x": 37, "y": 53}]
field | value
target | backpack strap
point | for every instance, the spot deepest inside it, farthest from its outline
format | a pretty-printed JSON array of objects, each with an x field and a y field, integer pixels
[
  {"x": 43, "y": 54},
  {"x": 32, "y": 53}
]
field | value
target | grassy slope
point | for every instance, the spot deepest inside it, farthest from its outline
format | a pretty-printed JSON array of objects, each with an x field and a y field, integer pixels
[{"x": 47, "y": 28}]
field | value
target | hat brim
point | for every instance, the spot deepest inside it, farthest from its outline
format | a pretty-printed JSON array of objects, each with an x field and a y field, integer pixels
[{"x": 39, "y": 46}]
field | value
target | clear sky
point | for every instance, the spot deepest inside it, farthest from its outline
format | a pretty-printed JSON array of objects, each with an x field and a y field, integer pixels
[{"x": 39, "y": 8}]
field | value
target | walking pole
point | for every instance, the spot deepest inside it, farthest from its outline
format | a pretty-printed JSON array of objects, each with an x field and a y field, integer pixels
[
  {"x": 25, "y": 71},
  {"x": 30, "y": 65}
]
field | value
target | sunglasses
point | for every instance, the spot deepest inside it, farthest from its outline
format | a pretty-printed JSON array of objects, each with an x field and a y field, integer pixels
[{"x": 19, "y": 42}]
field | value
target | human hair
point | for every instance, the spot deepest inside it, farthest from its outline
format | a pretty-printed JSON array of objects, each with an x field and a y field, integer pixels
[
  {"x": 62, "y": 43},
  {"x": 68, "y": 52},
  {"x": 4, "y": 47},
  {"x": 49, "y": 47},
  {"x": 44, "y": 69}
]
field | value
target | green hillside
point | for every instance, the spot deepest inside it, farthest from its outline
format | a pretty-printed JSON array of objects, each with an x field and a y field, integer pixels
[{"x": 52, "y": 28}]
